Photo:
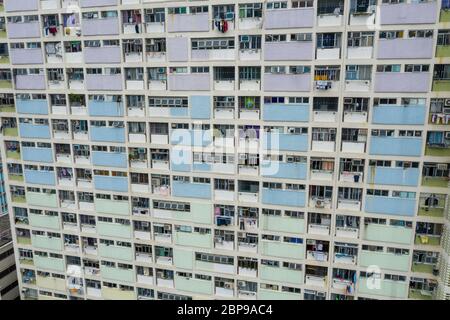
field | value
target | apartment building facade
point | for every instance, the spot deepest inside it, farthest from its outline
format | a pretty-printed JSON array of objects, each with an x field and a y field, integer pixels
[
  {"x": 241, "y": 149},
  {"x": 9, "y": 287}
]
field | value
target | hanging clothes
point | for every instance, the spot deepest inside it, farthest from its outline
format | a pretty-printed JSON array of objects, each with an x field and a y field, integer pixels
[{"x": 224, "y": 26}]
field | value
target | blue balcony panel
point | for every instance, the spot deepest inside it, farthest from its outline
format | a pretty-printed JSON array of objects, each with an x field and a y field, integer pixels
[
  {"x": 284, "y": 197},
  {"x": 202, "y": 167},
  {"x": 109, "y": 159},
  {"x": 37, "y": 154},
  {"x": 393, "y": 176},
  {"x": 179, "y": 112},
  {"x": 390, "y": 205},
  {"x": 396, "y": 146},
  {"x": 200, "y": 107},
  {"x": 37, "y": 131},
  {"x": 191, "y": 190},
  {"x": 276, "y": 169},
  {"x": 286, "y": 112},
  {"x": 403, "y": 115},
  {"x": 107, "y": 134},
  {"x": 111, "y": 183},
  {"x": 40, "y": 177},
  {"x": 285, "y": 142},
  {"x": 36, "y": 106},
  {"x": 197, "y": 138},
  {"x": 105, "y": 108}
]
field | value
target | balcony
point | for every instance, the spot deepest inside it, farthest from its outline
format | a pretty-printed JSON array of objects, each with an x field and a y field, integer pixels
[
  {"x": 384, "y": 260},
  {"x": 104, "y": 82},
  {"x": 44, "y": 221},
  {"x": 283, "y": 275},
  {"x": 37, "y": 154},
  {"x": 193, "y": 239},
  {"x": 118, "y": 294},
  {"x": 198, "y": 22},
  {"x": 23, "y": 30},
  {"x": 108, "y": 134},
  {"x": 441, "y": 85},
  {"x": 49, "y": 263},
  {"x": 427, "y": 239},
  {"x": 117, "y": 274},
  {"x": 115, "y": 252},
  {"x": 386, "y": 288},
  {"x": 108, "y": 183},
  {"x": 44, "y": 242},
  {"x": 287, "y": 82},
  {"x": 278, "y": 169},
  {"x": 191, "y": 190},
  {"x": 264, "y": 294},
  {"x": 285, "y": 142},
  {"x": 100, "y": 27},
  {"x": 36, "y": 131},
  {"x": 401, "y": 115},
  {"x": 40, "y": 177},
  {"x": 199, "y": 213},
  {"x": 189, "y": 82},
  {"x": 387, "y": 233},
  {"x": 98, "y": 3},
  {"x": 194, "y": 285},
  {"x": 42, "y": 199},
  {"x": 396, "y": 146},
  {"x": 102, "y": 55},
  {"x": 393, "y": 176},
  {"x": 286, "y": 112},
  {"x": 200, "y": 107},
  {"x": 405, "y": 82},
  {"x": 21, "y": 5},
  {"x": 283, "y": 249},
  {"x": 282, "y": 224},
  {"x": 114, "y": 230},
  {"x": 289, "y": 18},
  {"x": 35, "y": 106},
  {"x": 408, "y": 13},
  {"x": 26, "y": 56},
  {"x": 284, "y": 197},
  {"x": 414, "y": 48},
  {"x": 391, "y": 205},
  {"x": 30, "y": 82},
  {"x": 109, "y": 159},
  {"x": 288, "y": 51},
  {"x": 51, "y": 283}
]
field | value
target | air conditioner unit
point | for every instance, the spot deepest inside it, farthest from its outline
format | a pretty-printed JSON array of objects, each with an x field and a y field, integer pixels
[
  {"x": 117, "y": 124},
  {"x": 320, "y": 204},
  {"x": 321, "y": 294},
  {"x": 289, "y": 159},
  {"x": 291, "y": 130},
  {"x": 348, "y": 100},
  {"x": 71, "y": 215},
  {"x": 228, "y": 285},
  {"x": 447, "y": 102},
  {"x": 447, "y": 135},
  {"x": 241, "y": 283},
  {"x": 145, "y": 223},
  {"x": 442, "y": 166}
]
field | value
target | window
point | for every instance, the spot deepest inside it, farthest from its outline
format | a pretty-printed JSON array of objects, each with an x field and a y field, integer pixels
[
  {"x": 250, "y": 10},
  {"x": 276, "y": 5},
  {"x": 301, "y": 37},
  {"x": 360, "y": 39},
  {"x": 249, "y": 42},
  {"x": 275, "y": 38},
  {"x": 417, "y": 67},
  {"x": 388, "y": 68},
  {"x": 391, "y": 34}
]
